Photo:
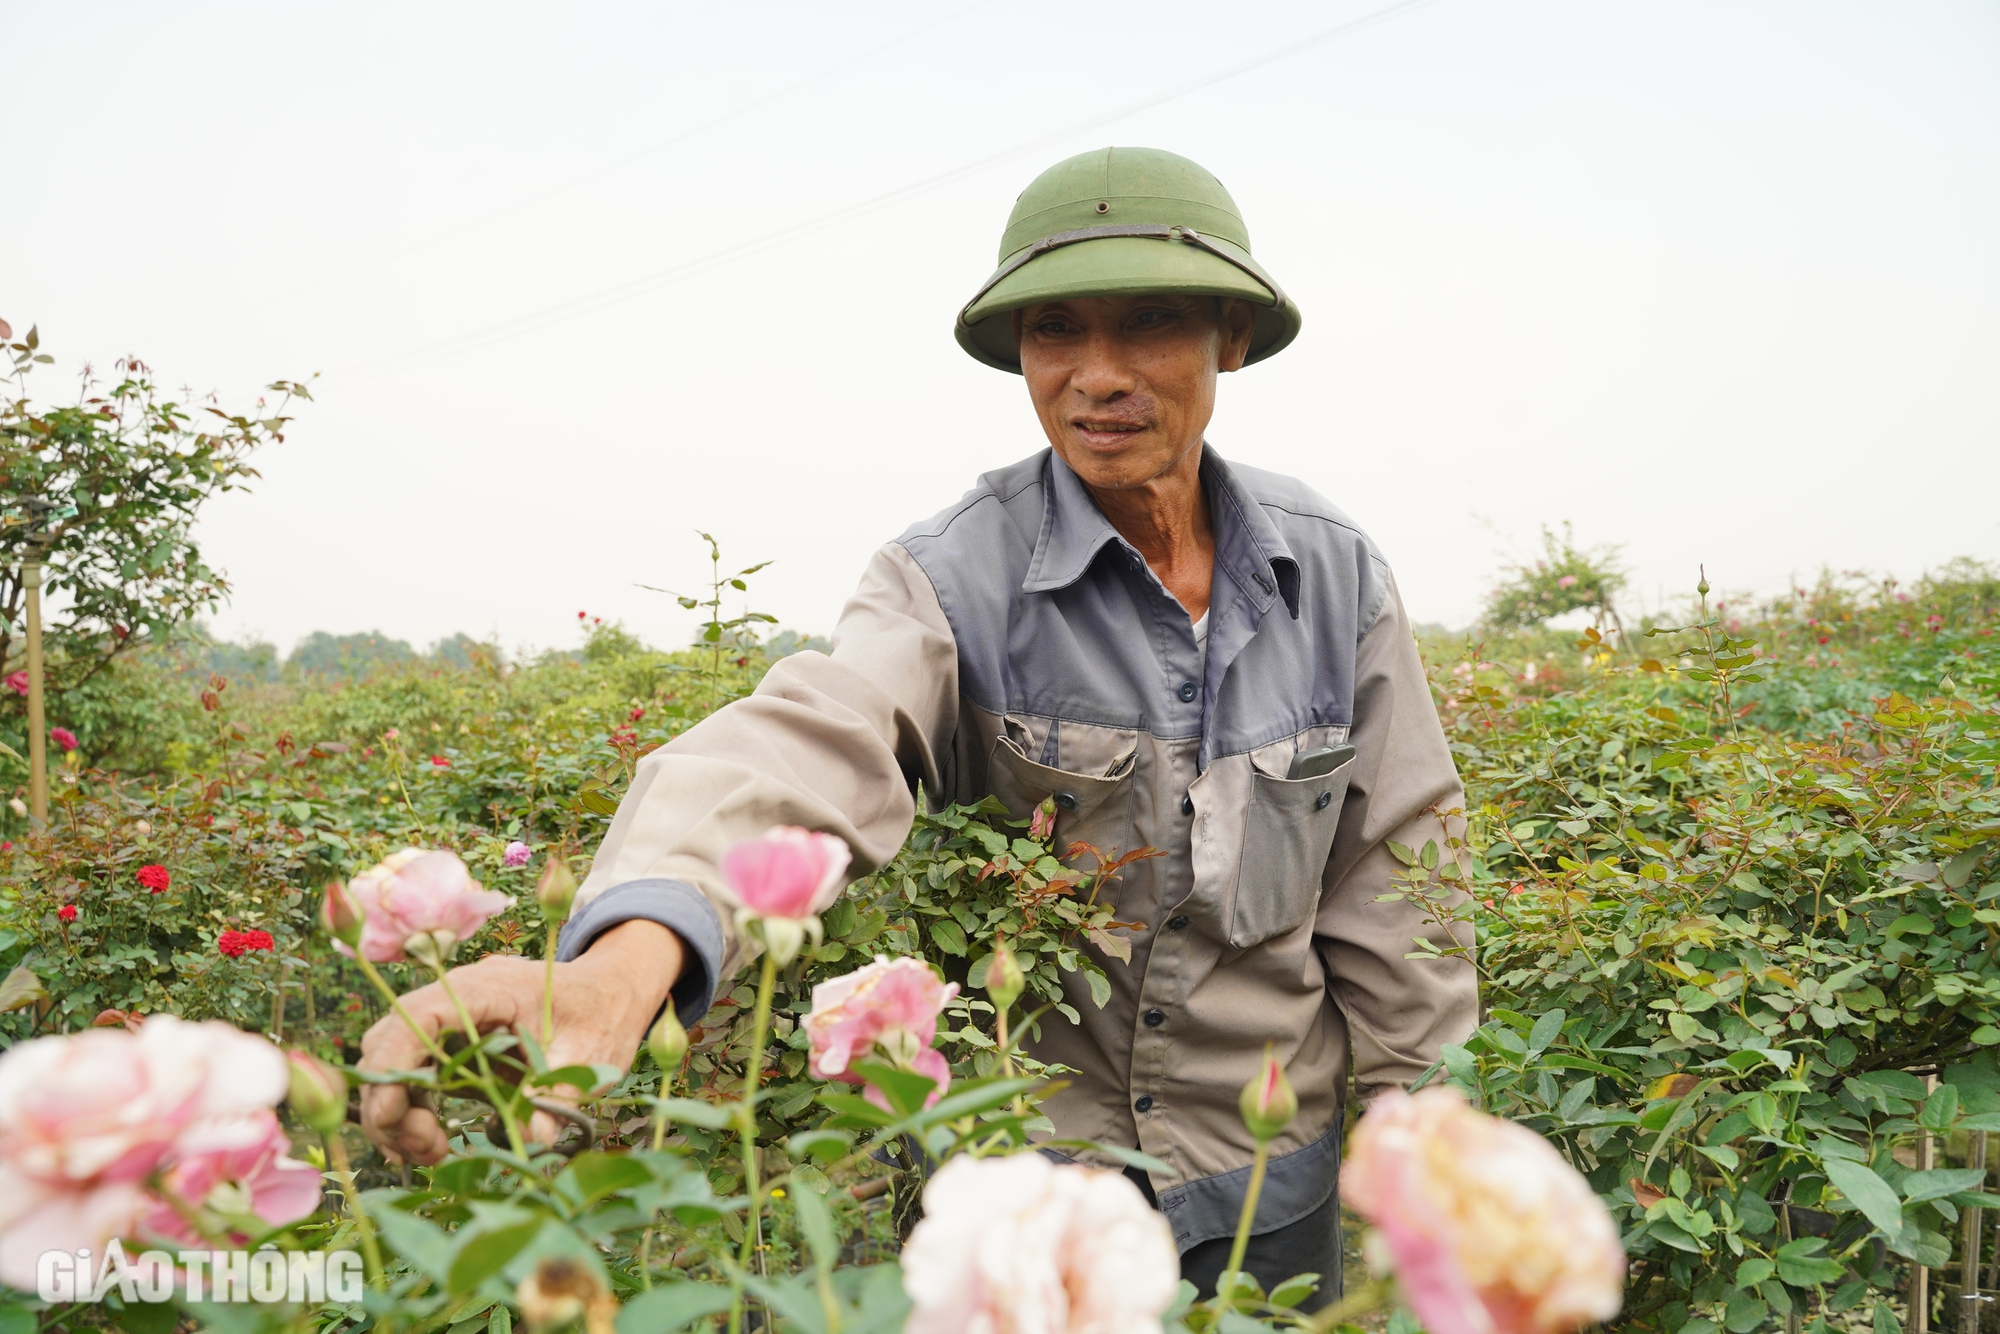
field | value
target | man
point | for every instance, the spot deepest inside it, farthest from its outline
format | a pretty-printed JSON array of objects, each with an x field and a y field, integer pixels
[{"x": 1184, "y": 654}]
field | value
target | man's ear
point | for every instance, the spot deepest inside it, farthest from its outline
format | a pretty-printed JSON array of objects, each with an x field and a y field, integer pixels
[{"x": 1239, "y": 321}]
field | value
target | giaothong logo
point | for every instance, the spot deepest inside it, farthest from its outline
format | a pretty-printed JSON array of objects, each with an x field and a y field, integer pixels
[{"x": 268, "y": 1275}]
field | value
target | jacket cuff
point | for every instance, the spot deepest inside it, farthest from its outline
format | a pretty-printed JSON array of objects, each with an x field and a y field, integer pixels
[{"x": 674, "y": 904}]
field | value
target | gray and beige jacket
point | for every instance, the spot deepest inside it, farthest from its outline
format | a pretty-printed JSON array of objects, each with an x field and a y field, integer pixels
[{"x": 1017, "y": 645}]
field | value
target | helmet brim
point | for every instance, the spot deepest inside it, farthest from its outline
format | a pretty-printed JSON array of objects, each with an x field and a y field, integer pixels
[{"x": 1119, "y": 266}]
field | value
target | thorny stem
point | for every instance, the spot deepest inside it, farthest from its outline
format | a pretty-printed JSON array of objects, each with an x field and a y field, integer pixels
[
  {"x": 371, "y": 1253},
  {"x": 746, "y": 1120},
  {"x": 1225, "y": 1287}
]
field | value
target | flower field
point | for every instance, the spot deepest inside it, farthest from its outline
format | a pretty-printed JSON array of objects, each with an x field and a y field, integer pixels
[{"x": 1731, "y": 885}]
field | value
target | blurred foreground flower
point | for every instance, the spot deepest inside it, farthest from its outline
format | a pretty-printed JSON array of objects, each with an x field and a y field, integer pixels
[
  {"x": 1024, "y": 1244},
  {"x": 1487, "y": 1228},
  {"x": 885, "y": 1011},
  {"x": 425, "y": 899},
  {"x": 86, "y": 1119},
  {"x": 235, "y": 1167},
  {"x": 559, "y": 1290},
  {"x": 785, "y": 879}
]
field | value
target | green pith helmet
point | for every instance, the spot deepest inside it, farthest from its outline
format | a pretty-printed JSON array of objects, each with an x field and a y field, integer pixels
[{"x": 1122, "y": 222}]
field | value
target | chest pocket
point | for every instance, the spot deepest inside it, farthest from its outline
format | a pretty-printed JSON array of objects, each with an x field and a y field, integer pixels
[
  {"x": 1093, "y": 809},
  {"x": 1287, "y": 835}
]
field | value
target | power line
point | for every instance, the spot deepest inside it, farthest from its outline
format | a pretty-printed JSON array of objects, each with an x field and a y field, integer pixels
[
  {"x": 529, "y": 201},
  {"x": 591, "y": 302}
]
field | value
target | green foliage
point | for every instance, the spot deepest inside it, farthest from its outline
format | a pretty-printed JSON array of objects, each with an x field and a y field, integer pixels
[{"x": 1722, "y": 962}]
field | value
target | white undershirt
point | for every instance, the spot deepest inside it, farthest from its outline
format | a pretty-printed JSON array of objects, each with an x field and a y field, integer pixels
[{"x": 1201, "y": 641}]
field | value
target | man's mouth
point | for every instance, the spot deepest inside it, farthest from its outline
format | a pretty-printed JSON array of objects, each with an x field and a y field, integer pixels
[{"x": 1105, "y": 432}]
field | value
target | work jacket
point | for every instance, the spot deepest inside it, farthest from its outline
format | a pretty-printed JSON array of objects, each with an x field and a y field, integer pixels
[{"x": 1017, "y": 645}]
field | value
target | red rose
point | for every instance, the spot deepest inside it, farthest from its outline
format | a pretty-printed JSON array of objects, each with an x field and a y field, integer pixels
[
  {"x": 155, "y": 878},
  {"x": 63, "y": 737},
  {"x": 67, "y": 912},
  {"x": 440, "y": 762},
  {"x": 232, "y": 943},
  {"x": 258, "y": 940}
]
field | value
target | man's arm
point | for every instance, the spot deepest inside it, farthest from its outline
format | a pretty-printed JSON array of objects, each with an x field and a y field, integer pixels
[
  {"x": 1399, "y": 1011},
  {"x": 834, "y": 743}
]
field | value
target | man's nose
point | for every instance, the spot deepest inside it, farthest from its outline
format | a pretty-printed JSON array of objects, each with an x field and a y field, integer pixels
[{"x": 1103, "y": 370}]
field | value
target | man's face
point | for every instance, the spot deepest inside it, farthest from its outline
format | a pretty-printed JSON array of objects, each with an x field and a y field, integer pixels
[{"x": 1125, "y": 385}]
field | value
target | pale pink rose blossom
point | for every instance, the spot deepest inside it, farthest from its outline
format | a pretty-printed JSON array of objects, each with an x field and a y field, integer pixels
[
  {"x": 1567, "y": 581},
  {"x": 888, "y": 1009},
  {"x": 415, "y": 893},
  {"x": 1021, "y": 1245},
  {"x": 517, "y": 854},
  {"x": 235, "y": 1165},
  {"x": 789, "y": 872},
  {"x": 86, "y": 1118},
  {"x": 1487, "y": 1228}
]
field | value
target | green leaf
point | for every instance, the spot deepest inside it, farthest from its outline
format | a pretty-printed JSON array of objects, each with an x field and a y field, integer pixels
[
  {"x": 417, "y": 1240},
  {"x": 486, "y": 1253},
  {"x": 1886, "y": 1321},
  {"x": 1869, "y": 1193},
  {"x": 673, "y": 1306},
  {"x": 1940, "y": 1182},
  {"x": 1100, "y": 987},
  {"x": 1801, "y": 1264},
  {"x": 1940, "y": 1109},
  {"x": 948, "y": 936},
  {"x": 817, "y": 1223},
  {"x": 589, "y": 1078},
  {"x": 598, "y": 1174},
  {"x": 1294, "y": 1290},
  {"x": 1547, "y": 1029},
  {"x": 1754, "y": 1271},
  {"x": 1745, "y": 1312},
  {"x": 904, "y": 1089}
]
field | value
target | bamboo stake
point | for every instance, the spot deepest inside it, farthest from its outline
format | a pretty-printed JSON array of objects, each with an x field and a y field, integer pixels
[{"x": 38, "y": 733}]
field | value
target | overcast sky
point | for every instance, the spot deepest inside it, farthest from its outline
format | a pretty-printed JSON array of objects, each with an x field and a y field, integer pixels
[{"x": 1719, "y": 282}]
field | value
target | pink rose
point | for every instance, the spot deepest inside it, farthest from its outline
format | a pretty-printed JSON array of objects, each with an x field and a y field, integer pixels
[
  {"x": 789, "y": 872},
  {"x": 235, "y": 1165},
  {"x": 517, "y": 854},
  {"x": 1488, "y": 1229},
  {"x": 86, "y": 1118},
  {"x": 416, "y": 893},
  {"x": 18, "y": 683},
  {"x": 63, "y": 738},
  {"x": 1567, "y": 581},
  {"x": 887, "y": 1010},
  {"x": 1021, "y": 1243}
]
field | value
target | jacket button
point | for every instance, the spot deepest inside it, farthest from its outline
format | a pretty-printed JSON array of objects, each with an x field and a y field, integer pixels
[
  {"x": 1144, "y": 1104},
  {"x": 1177, "y": 923},
  {"x": 1325, "y": 800},
  {"x": 1154, "y": 1018},
  {"x": 1187, "y": 803},
  {"x": 1066, "y": 800},
  {"x": 1188, "y": 691}
]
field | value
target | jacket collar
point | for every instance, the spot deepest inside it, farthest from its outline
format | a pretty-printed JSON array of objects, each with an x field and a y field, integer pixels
[{"x": 1248, "y": 547}]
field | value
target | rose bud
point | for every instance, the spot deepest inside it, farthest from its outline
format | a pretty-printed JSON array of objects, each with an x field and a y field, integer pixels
[
  {"x": 1268, "y": 1103},
  {"x": 318, "y": 1092}
]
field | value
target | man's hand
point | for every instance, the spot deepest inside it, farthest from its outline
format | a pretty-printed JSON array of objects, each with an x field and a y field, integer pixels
[{"x": 604, "y": 1002}]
